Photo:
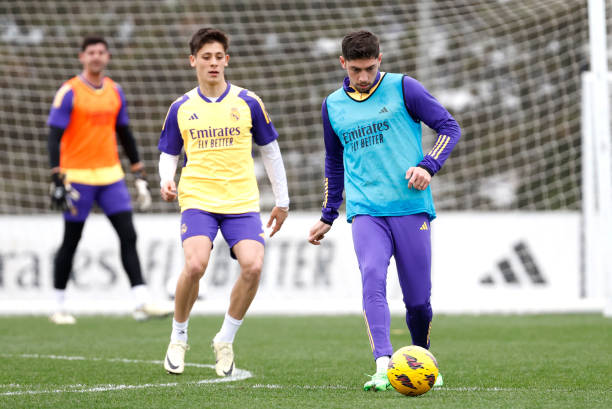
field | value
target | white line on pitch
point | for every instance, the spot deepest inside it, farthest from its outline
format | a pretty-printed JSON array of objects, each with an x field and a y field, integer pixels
[{"x": 240, "y": 374}]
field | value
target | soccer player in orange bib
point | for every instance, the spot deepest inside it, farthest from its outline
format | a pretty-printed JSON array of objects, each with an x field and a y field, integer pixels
[
  {"x": 216, "y": 124},
  {"x": 88, "y": 114}
]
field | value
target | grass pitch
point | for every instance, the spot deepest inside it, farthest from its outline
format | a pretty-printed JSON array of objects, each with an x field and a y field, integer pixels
[{"x": 542, "y": 361}]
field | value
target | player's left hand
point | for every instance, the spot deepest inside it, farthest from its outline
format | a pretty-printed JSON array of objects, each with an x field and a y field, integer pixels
[
  {"x": 418, "y": 178},
  {"x": 278, "y": 215},
  {"x": 143, "y": 195}
]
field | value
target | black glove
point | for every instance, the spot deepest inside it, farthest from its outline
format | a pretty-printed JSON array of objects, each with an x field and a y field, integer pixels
[{"x": 62, "y": 195}]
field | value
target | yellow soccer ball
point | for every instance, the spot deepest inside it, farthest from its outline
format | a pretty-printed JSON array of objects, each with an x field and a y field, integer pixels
[{"x": 412, "y": 370}]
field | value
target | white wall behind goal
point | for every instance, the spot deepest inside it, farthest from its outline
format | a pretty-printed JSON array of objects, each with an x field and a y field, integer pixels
[{"x": 482, "y": 263}]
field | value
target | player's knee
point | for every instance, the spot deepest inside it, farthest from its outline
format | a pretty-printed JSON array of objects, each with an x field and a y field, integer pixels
[
  {"x": 195, "y": 267},
  {"x": 251, "y": 271},
  {"x": 374, "y": 285}
]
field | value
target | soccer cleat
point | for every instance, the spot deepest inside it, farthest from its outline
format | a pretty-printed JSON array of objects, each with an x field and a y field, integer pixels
[
  {"x": 439, "y": 381},
  {"x": 151, "y": 310},
  {"x": 378, "y": 382},
  {"x": 62, "y": 318},
  {"x": 175, "y": 357},
  {"x": 224, "y": 358}
]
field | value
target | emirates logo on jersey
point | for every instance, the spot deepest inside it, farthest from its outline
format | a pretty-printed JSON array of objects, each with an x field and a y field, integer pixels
[{"x": 234, "y": 114}]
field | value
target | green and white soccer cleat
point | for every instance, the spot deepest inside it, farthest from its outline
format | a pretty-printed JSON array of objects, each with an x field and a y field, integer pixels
[
  {"x": 174, "y": 362},
  {"x": 224, "y": 358},
  {"x": 439, "y": 381},
  {"x": 378, "y": 382}
]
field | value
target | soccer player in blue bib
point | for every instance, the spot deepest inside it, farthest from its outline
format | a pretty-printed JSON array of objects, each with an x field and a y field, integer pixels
[
  {"x": 372, "y": 132},
  {"x": 215, "y": 124}
]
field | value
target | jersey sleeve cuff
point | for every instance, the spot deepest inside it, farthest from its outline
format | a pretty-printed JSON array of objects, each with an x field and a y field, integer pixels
[{"x": 431, "y": 172}]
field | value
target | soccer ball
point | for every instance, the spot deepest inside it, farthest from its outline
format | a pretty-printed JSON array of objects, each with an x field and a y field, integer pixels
[{"x": 412, "y": 370}]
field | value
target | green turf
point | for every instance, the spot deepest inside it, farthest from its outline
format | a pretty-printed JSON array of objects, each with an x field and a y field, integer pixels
[{"x": 543, "y": 361}]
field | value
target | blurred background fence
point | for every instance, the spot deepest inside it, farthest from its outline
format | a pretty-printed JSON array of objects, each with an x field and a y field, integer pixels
[{"x": 509, "y": 71}]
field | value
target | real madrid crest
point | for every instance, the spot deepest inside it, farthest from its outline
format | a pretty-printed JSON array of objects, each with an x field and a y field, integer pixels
[{"x": 235, "y": 114}]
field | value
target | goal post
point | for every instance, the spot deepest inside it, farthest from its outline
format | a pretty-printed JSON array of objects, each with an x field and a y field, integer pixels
[{"x": 597, "y": 165}]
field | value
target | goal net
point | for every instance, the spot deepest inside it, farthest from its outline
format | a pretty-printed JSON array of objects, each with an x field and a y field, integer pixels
[{"x": 509, "y": 72}]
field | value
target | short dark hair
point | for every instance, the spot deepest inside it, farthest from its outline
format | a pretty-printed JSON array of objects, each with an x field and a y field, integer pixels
[
  {"x": 360, "y": 45},
  {"x": 90, "y": 40},
  {"x": 208, "y": 35}
]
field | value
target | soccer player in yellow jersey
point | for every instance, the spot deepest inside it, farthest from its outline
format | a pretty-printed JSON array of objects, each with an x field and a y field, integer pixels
[
  {"x": 216, "y": 124},
  {"x": 87, "y": 116}
]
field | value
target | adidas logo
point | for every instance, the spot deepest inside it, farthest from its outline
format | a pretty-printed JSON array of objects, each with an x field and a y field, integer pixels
[
  {"x": 424, "y": 226},
  {"x": 383, "y": 110},
  {"x": 508, "y": 275},
  {"x": 193, "y": 116}
]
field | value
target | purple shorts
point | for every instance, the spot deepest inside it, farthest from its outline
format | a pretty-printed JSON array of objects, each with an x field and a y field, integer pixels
[
  {"x": 234, "y": 227},
  {"x": 112, "y": 199}
]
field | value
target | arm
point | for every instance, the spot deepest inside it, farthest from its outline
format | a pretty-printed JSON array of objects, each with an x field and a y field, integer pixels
[
  {"x": 334, "y": 170},
  {"x": 334, "y": 180},
  {"x": 127, "y": 140},
  {"x": 62, "y": 195},
  {"x": 170, "y": 145},
  {"x": 265, "y": 135},
  {"x": 422, "y": 106},
  {"x": 273, "y": 162},
  {"x": 167, "y": 170}
]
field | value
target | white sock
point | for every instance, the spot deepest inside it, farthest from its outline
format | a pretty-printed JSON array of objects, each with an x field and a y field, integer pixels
[
  {"x": 179, "y": 331},
  {"x": 382, "y": 363},
  {"x": 228, "y": 329},
  {"x": 140, "y": 295},
  {"x": 60, "y": 300}
]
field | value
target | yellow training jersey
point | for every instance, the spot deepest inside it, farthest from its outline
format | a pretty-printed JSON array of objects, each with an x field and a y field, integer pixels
[{"x": 218, "y": 175}]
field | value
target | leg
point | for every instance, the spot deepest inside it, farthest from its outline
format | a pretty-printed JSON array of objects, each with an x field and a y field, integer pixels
[
  {"x": 244, "y": 235},
  {"x": 250, "y": 255},
  {"x": 197, "y": 251},
  {"x": 413, "y": 258},
  {"x": 373, "y": 246},
  {"x": 62, "y": 263},
  {"x": 124, "y": 226},
  {"x": 73, "y": 228},
  {"x": 114, "y": 199}
]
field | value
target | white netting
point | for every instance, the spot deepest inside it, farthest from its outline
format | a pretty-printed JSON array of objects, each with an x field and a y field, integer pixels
[{"x": 509, "y": 71}]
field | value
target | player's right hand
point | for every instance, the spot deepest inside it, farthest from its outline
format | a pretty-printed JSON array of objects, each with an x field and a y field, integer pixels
[
  {"x": 62, "y": 195},
  {"x": 168, "y": 190},
  {"x": 317, "y": 232}
]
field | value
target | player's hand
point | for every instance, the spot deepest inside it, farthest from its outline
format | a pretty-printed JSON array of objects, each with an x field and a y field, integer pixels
[
  {"x": 143, "y": 195},
  {"x": 62, "y": 195},
  {"x": 278, "y": 215},
  {"x": 418, "y": 178},
  {"x": 168, "y": 190},
  {"x": 317, "y": 232}
]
